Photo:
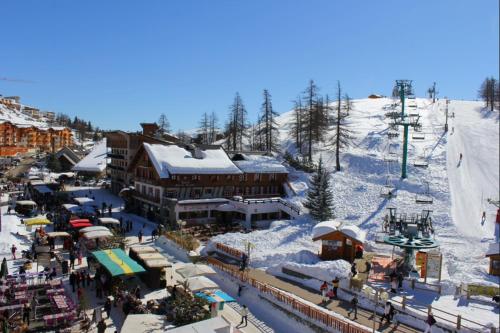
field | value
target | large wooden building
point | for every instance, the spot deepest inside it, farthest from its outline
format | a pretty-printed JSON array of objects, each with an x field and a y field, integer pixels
[
  {"x": 122, "y": 147},
  {"x": 15, "y": 138},
  {"x": 186, "y": 179}
]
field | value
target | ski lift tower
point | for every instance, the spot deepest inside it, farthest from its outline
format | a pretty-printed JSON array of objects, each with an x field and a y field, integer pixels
[{"x": 405, "y": 88}]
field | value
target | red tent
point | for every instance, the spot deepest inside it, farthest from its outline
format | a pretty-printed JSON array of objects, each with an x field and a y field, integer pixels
[{"x": 81, "y": 223}]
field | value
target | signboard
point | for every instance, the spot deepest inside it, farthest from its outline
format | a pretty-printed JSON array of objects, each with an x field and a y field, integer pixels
[
  {"x": 421, "y": 261},
  {"x": 434, "y": 261}
]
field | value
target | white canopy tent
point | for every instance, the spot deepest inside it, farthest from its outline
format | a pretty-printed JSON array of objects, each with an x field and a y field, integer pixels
[
  {"x": 200, "y": 283},
  {"x": 109, "y": 220},
  {"x": 84, "y": 200},
  {"x": 97, "y": 234},
  {"x": 94, "y": 228},
  {"x": 190, "y": 270}
]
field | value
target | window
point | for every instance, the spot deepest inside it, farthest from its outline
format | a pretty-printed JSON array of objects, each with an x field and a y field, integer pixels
[
  {"x": 256, "y": 177},
  {"x": 173, "y": 177},
  {"x": 150, "y": 191},
  {"x": 157, "y": 193}
]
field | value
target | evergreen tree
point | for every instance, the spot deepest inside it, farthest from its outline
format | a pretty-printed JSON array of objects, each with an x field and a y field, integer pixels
[
  {"x": 342, "y": 137},
  {"x": 319, "y": 199},
  {"x": 267, "y": 127},
  {"x": 53, "y": 163}
]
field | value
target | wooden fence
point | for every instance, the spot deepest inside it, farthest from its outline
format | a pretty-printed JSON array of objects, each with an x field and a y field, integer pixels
[
  {"x": 229, "y": 250},
  {"x": 310, "y": 312}
]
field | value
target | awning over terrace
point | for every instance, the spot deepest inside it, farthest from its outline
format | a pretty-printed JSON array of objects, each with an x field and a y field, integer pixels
[{"x": 117, "y": 262}]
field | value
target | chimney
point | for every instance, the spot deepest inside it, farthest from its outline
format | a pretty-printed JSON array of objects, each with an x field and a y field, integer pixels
[{"x": 149, "y": 129}]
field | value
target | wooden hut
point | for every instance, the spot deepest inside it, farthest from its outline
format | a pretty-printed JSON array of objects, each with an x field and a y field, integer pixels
[
  {"x": 494, "y": 255},
  {"x": 338, "y": 240}
]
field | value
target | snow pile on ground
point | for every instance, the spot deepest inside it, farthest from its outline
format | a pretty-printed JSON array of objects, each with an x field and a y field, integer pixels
[
  {"x": 284, "y": 241},
  {"x": 323, "y": 270},
  {"x": 95, "y": 161}
]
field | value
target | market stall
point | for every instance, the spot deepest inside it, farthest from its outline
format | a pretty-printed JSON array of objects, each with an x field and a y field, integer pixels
[
  {"x": 25, "y": 207},
  {"x": 154, "y": 263}
]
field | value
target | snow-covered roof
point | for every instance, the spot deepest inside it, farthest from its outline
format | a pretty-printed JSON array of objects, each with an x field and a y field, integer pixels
[
  {"x": 353, "y": 232},
  {"x": 253, "y": 163},
  {"x": 493, "y": 248},
  {"x": 172, "y": 159},
  {"x": 326, "y": 227},
  {"x": 95, "y": 161}
]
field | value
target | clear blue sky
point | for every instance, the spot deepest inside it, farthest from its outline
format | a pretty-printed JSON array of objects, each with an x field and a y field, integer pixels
[{"x": 118, "y": 63}]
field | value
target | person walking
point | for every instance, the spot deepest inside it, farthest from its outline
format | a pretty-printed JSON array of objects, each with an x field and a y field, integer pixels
[
  {"x": 101, "y": 326},
  {"x": 107, "y": 307},
  {"x": 139, "y": 235},
  {"x": 387, "y": 312},
  {"x": 394, "y": 284},
  {"x": 497, "y": 226},
  {"x": 354, "y": 307},
  {"x": 430, "y": 322},
  {"x": 72, "y": 259},
  {"x": 400, "y": 278},
  {"x": 13, "y": 250},
  {"x": 72, "y": 280},
  {"x": 354, "y": 270},
  {"x": 335, "y": 284},
  {"x": 26, "y": 313},
  {"x": 324, "y": 289},
  {"x": 80, "y": 257},
  {"x": 244, "y": 315}
]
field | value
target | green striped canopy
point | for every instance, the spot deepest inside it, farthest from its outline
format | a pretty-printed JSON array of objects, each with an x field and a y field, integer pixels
[{"x": 117, "y": 262}]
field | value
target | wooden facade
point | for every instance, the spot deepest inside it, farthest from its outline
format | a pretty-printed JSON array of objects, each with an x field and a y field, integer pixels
[
  {"x": 337, "y": 245},
  {"x": 31, "y": 137},
  {"x": 149, "y": 185},
  {"x": 494, "y": 268}
]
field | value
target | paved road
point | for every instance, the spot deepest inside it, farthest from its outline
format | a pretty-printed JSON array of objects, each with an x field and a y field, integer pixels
[{"x": 24, "y": 166}]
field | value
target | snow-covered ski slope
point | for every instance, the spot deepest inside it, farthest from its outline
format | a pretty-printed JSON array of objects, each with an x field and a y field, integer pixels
[{"x": 459, "y": 193}]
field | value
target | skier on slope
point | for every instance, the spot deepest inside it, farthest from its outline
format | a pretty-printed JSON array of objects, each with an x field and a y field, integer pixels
[{"x": 497, "y": 226}]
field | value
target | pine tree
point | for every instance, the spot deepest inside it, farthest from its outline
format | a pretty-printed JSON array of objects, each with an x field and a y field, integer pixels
[
  {"x": 319, "y": 199},
  {"x": 163, "y": 124},
  {"x": 267, "y": 126},
  {"x": 342, "y": 137}
]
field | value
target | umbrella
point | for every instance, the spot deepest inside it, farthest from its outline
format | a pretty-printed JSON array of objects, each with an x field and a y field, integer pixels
[
  {"x": 39, "y": 220},
  {"x": 190, "y": 270}
]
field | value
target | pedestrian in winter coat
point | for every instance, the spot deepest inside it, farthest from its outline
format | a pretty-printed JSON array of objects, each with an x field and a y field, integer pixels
[
  {"x": 139, "y": 235},
  {"x": 107, "y": 307},
  {"x": 335, "y": 284},
  {"x": 388, "y": 311},
  {"x": 26, "y": 313},
  {"x": 101, "y": 327},
  {"x": 354, "y": 307},
  {"x": 72, "y": 280},
  {"x": 324, "y": 289},
  {"x": 72, "y": 259},
  {"x": 13, "y": 250},
  {"x": 244, "y": 315},
  {"x": 394, "y": 285},
  {"x": 354, "y": 270},
  {"x": 400, "y": 280},
  {"x": 430, "y": 322}
]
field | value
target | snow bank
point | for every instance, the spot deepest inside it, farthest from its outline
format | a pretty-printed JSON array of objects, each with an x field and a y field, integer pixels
[
  {"x": 323, "y": 270},
  {"x": 284, "y": 241}
]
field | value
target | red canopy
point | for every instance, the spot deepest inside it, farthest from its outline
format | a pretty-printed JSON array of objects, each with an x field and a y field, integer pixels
[{"x": 81, "y": 223}]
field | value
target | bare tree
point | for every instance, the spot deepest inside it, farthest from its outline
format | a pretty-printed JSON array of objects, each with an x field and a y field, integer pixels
[
  {"x": 342, "y": 137},
  {"x": 237, "y": 124},
  {"x": 267, "y": 126},
  {"x": 204, "y": 129},
  {"x": 163, "y": 124},
  {"x": 489, "y": 92}
]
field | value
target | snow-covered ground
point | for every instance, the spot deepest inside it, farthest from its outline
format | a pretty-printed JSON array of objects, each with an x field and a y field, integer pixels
[{"x": 459, "y": 192}]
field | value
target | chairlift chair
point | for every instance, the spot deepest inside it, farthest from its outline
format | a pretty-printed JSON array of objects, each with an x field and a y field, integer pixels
[
  {"x": 392, "y": 134},
  {"x": 424, "y": 197},
  {"x": 421, "y": 161},
  {"x": 388, "y": 191},
  {"x": 418, "y": 136}
]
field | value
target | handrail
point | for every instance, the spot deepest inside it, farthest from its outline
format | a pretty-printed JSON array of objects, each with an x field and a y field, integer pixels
[{"x": 318, "y": 315}]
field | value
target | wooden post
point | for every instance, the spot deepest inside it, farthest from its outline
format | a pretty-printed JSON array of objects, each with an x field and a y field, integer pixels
[
  {"x": 429, "y": 309},
  {"x": 403, "y": 303},
  {"x": 493, "y": 330},
  {"x": 459, "y": 321}
]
